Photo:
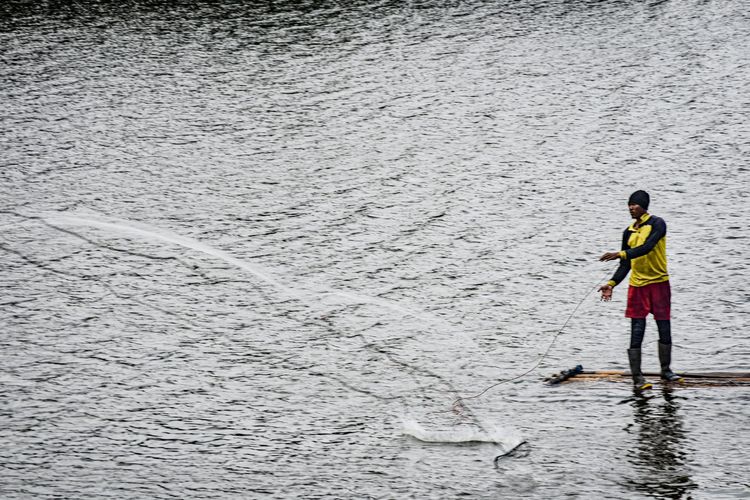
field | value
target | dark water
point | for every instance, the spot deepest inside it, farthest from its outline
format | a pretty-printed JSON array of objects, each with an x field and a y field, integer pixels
[{"x": 259, "y": 250}]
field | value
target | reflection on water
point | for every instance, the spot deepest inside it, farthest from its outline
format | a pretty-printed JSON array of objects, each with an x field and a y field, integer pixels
[{"x": 659, "y": 453}]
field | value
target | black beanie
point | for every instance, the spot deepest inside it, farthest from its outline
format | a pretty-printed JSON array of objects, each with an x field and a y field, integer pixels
[{"x": 639, "y": 198}]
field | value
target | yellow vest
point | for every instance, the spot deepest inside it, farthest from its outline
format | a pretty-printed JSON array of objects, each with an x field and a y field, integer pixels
[{"x": 644, "y": 252}]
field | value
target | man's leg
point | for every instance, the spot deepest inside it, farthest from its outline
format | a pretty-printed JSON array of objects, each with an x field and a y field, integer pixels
[
  {"x": 661, "y": 299},
  {"x": 665, "y": 331},
  {"x": 637, "y": 331},
  {"x": 665, "y": 349}
]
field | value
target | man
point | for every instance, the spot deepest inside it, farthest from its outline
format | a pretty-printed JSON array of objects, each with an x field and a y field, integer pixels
[{"x": 644, "y": 255}]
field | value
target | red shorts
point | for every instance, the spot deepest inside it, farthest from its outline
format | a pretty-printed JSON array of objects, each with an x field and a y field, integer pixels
[{"x": 654, "y": 299}]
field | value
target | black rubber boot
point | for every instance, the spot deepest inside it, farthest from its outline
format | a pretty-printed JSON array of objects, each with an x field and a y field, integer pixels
[
  {"x": 665, "y": 359},
  {"x": 634, "y": 356}
]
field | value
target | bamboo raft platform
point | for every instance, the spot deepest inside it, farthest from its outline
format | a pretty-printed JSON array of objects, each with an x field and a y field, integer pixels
[{"x": 694, "y": 379}]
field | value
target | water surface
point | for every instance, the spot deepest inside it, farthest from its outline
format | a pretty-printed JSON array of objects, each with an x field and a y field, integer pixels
[{"x": 260, "y": 251}]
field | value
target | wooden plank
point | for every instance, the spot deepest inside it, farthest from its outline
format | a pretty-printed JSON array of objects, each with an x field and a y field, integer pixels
[
  {"x": 688, "y": 378},
  {"x": 714, "y": 375}
]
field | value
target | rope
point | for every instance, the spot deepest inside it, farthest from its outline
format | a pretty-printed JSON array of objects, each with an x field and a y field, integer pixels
[
  {"x": 509, "y": 452},
  {"x": 457, "y": 405}
]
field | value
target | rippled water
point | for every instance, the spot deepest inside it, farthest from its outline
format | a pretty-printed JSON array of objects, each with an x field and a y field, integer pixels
[{"x": 259, "y": 251}]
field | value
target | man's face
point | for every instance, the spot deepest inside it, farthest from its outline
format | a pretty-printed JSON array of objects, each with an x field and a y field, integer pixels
[{"x": 636, "y": 210}]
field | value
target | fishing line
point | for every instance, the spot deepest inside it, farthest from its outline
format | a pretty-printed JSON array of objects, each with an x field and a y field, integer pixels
[{"x": 458, "y": 407}]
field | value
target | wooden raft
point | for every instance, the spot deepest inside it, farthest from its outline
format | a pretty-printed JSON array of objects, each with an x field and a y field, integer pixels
[{"x": 729, "y": 379}]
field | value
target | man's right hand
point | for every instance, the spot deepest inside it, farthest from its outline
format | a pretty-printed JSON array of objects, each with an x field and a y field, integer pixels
[
  {"x": 606, "y": 292},
  {"x": 610, "y": 256}
]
